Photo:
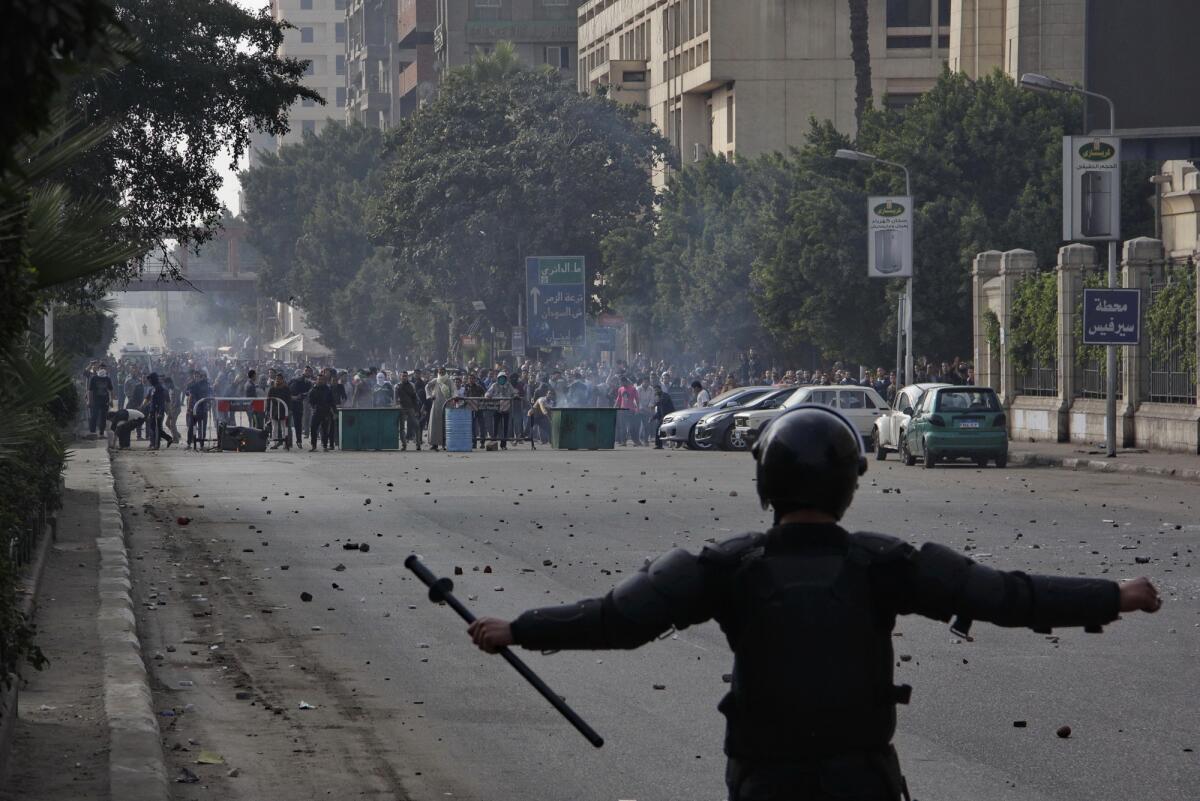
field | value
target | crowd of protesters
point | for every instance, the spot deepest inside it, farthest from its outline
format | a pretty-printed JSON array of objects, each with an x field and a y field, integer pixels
[{"x": 510, "y": 403}]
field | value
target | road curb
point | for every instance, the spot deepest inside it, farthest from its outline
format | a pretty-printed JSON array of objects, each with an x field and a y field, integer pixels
[
  {"x": 137, "y": 770},
  {"x": 1029, "y": 459}
]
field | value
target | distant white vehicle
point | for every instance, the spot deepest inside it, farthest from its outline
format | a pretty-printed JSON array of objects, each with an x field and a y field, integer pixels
[
  {"x": 889, "y": 429},
  {"x": 861, "y": 405}
]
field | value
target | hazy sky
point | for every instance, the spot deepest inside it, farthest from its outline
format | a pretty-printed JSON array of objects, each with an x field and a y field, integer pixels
[{"x": 229, "y": 185}]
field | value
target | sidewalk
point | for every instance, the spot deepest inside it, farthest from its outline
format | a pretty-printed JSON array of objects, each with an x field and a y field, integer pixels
[
  {"x": 82, "y": 732},
  {"x": 1079, "y": 456}
]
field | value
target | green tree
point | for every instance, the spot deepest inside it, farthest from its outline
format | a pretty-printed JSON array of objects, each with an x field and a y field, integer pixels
[
  {"x": 508, "y": 162},
  {"x": 205, "y": 76},
  {"x": 860, "y": 54},
  {"x": 307, "y": 211}
]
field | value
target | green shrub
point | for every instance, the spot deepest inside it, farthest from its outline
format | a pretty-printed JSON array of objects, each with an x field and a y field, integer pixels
[{"x": 1033, "y": 327}]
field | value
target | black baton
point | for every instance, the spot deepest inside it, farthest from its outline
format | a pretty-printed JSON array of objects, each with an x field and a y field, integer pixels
[{"x": 441, "y": 590}]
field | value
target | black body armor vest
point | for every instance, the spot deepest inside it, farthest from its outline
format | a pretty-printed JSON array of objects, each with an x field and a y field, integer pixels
[{"x": 812, "y": 641}]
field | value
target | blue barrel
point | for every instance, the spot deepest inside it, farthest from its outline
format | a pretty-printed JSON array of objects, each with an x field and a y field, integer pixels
[{"x": 458, "y": 429}]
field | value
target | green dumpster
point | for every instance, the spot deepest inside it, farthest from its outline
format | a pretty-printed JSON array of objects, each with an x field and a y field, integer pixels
[
  {"x": 369, "y": 429},
  {"x": 584, "y": 429}
]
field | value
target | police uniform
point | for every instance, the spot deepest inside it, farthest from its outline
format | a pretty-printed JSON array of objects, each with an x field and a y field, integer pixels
[{"x": 808, "y": 610}]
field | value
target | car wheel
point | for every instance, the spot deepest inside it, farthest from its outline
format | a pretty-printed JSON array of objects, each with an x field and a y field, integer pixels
[
  {"x": 880, "y": 451},
  {"x": 930, "y": 460},
  {"x": 1002, "y": 461},
  {"x": 696, "y": 446},
  {"x": 734, "y": 441},
  {"x": 906, "y": 455}
]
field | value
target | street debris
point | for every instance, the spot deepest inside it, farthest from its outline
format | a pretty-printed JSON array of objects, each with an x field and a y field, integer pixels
[
  {"x": 1064, "y": 732},
  {"x": 306, "y": 705},
  {"x": 186, "y": 777}
]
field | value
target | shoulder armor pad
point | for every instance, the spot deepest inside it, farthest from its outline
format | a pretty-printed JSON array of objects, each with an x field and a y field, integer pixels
[
  {"x": 730, "y": 552},
  {"x": 881, "y": 547}
]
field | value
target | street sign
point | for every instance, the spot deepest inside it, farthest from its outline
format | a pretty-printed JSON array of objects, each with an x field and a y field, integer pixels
[
  {"x": 518, "y": 342},
  {"x": 608, "y": 318},
  {"x": 1091, "y": 188},
  {"x": 556, "y": 294},
  {"x": 1112, "y": 316},
  {"x": 469, "y": 341},
  {"x": 604, "y": 338},
  {"x": 889, "y": 237}
]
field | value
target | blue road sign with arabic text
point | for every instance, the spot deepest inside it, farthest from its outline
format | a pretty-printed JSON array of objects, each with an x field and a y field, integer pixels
[
  {"x": 1112, "y": 316},
  {"x": 556, "y": 296}
]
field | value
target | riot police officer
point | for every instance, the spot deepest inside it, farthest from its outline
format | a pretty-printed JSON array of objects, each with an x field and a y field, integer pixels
[{"x": 810, "y": 715}]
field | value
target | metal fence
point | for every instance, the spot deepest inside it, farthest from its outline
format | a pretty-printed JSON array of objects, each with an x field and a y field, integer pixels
[
  {"x": 1041, "y": 380},
  {"x": 1171, "y": 381},
  {"x": 24, "y": 538}
]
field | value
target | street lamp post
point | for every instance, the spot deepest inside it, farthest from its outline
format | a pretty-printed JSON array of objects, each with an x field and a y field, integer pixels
[
  {"x": 855, "y": 155},
  {"x": 1042, "y": 83}
]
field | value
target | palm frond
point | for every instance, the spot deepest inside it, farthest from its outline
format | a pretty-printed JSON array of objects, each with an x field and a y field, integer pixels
[{"x": 68, "y": 238}]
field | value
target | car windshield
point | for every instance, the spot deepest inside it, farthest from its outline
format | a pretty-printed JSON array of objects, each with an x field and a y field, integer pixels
[
  {"x": 968, "y": 400},
  {"x": 742, "y": 395},
  {"x": 801, "y": 395}
]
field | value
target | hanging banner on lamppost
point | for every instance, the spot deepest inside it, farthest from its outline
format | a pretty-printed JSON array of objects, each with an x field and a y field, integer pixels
[
  {"x": 1091, "y": 188},
  {"x": 556, "y": 296},
  {"x": 889, "y": 237}
]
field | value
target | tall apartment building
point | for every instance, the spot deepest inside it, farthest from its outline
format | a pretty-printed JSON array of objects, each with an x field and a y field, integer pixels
[
  {"x": 729, "y": 76},
  {"x": 542, "y": 30},
  {"x": 372, "y": 65},
  {"x": 416, "y": 79},
  {"x": 1018, "y": 36},
  {"x": 319, "y": 37}
]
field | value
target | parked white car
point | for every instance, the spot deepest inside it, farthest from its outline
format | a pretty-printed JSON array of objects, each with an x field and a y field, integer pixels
[
  {"x": 889, "y": 429},
  {"x": 862, "y": 405}
]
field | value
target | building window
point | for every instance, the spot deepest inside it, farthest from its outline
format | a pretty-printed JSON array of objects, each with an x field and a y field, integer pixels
[
  {"x": 633, "y": 77},
  {"x": 339, "y": 65},
  {"x": 308, "y": 126},
  {"x": 899, "y": 102},
  {"x": 309, "y": 69},
  {"x": 487, "y": 3},
  {"x": 339, "y": 5},
  {"x": 729, "y": 118},
  {"x": 907, "y": 42},
  {"x": 557, "y": 56},
  {"x": 306, "y": 35},
  {"x": 339, "y": 31},
  {"x": 340, "y": 94},
  {"x": 306, "y": 5},
  {"x": 943, "y": 13},
  {"x": 908, "y": 13},
  {"x": 944, "y": 41}
]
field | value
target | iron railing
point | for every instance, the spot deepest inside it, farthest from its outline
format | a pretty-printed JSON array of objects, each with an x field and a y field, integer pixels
[
  {"x": 1171, "y": 381},
  {"x": 1041, "y": 380}
]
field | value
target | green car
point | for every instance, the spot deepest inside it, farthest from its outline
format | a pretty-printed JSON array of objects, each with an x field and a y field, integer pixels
[{"x": 953, "y": 422}]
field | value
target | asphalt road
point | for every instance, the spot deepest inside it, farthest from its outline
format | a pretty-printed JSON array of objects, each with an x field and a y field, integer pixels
[{"x": 398, "y": 675}]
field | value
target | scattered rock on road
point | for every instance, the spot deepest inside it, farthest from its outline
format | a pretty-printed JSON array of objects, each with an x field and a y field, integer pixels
[
  {"x": 1064, "y": 732},
  {"x": 306, "y": 597}
]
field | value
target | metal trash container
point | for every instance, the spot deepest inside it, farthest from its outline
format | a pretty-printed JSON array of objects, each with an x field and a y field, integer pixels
[
  {"x": 589, "y": 429},
  {"x": 369, "y": 429},
  {"x": 458, "y": 429}
]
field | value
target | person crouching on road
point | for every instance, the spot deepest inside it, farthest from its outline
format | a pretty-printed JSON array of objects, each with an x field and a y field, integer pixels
[
  {"x": 799, "y": 727},
  {"x": 124, "y": 422}
]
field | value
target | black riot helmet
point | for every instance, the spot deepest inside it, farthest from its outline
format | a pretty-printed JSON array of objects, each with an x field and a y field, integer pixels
[{"x": 810, "y": 457}]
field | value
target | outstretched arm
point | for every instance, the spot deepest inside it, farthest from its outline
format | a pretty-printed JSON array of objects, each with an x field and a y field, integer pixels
[
  {"x": 942, "y": 583},
  {"x": 669, "y": 592}
]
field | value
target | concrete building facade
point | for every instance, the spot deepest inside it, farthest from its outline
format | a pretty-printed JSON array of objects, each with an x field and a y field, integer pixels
[
  {"x": 543, "y": 31},
  {"x": 729, "y": 77},
  {"x": 1018, "y": 36},
  {"x": 319, "y": 37},
  {"x": 416, "y": 79},
  {"x": 372, "y": 63}
]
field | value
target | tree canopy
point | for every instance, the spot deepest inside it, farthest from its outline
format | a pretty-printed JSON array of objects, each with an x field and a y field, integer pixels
[
  {"x": 509, "y": 161},
  {"x": 985, "y": 159}
]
